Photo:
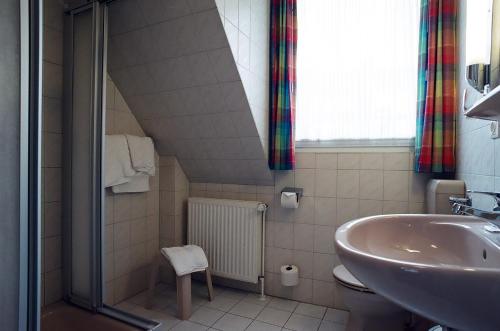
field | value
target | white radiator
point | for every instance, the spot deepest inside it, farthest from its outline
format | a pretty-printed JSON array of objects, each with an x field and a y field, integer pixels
[{"x": 231, "y": 234}]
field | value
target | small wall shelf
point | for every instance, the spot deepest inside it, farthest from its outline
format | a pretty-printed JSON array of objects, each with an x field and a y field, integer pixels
[{"x": 487, "y": 108}]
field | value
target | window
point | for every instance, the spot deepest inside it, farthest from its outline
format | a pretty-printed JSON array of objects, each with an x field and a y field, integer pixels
[{"x": 356, "y": 69}]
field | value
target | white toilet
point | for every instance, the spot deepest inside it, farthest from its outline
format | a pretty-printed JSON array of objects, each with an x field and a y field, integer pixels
[{"x": 368, "y": 311}]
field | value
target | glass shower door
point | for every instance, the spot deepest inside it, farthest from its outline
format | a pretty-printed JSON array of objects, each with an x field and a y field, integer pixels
[
  {"x": 84, "y": 203},
  {"x": 82, "y": 178}
]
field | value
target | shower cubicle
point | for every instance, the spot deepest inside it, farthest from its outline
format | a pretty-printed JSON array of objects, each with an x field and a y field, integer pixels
[{"x": 85, "y": 41}]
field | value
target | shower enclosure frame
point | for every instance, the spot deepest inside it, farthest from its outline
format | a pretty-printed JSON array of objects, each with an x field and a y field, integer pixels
[
  {"x": 94, "y": 302},
  {"x": 30, "y": 119}
]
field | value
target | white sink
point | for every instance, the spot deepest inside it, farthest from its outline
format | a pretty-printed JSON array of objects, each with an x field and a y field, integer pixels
[{"x": 445, "y": 268}]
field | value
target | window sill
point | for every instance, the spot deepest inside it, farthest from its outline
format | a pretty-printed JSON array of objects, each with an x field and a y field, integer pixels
[{"x": 355, "y": 143}]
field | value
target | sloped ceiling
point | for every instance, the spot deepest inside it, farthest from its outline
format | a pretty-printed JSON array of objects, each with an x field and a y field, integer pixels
[{"x": 197, "y": 82}]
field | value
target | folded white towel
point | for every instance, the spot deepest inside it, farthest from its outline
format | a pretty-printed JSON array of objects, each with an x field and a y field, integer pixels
[
  {"x": 137, "y": 183},
  {"x": 187, "y": 259},
  {"x": 142, "y": 154},
  {"x": 118, "y": 166}
]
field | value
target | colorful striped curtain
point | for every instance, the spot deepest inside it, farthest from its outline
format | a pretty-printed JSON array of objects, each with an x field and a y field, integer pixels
[
  {"x": 436, "y": 99},
  {"x": 283, "y": 41}
]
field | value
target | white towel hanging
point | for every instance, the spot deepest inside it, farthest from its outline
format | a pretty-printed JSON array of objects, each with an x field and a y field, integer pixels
[
  {"x": 142, "y": 154},
  {"x": 118, "y": 166},
  {"x": 137, "y": 183}
]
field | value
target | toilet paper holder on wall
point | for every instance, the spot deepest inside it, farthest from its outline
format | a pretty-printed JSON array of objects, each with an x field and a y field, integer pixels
[{"x": 297, "y": 190}]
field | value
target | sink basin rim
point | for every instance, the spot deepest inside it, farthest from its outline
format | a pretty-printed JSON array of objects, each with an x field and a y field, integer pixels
[{"x": 475, "y": 225}]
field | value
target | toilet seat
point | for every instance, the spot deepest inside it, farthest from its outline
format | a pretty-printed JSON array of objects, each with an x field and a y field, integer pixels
[{"x": 343, "y": 276}]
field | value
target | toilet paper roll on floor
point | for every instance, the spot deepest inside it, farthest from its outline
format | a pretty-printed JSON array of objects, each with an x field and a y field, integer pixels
[
  {"x": 289, "y": 275},
  {"x": 289, "y": 200}
]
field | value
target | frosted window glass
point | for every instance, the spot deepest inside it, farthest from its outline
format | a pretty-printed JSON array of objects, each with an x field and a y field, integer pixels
[{"x": 357, "y": 69}]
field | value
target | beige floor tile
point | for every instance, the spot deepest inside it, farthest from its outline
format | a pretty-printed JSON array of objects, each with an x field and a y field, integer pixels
[
  {"x": 230, "y": 322},
  {"x": 307, "y": 309},
  {"x": 206, "y": 316},
  {"x": 274, "y": 316},
  {"x": 261, "y": 326},
  {"x": 222, "y": 303},
  {"x": 283, "y": 304},
  {"x": 246, "y": 309},
  {"x": 298, "y": 322},
  {"x": 189, "y": 326}
]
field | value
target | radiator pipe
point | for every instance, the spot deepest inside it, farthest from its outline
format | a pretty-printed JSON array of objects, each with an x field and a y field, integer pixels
[{"x": 262, "y": 208}]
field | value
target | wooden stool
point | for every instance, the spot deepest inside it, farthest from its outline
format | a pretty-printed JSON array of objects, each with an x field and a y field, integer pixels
[{"x": 183, "y": 289}]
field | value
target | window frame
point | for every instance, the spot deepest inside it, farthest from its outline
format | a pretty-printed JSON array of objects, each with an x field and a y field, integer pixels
[{"x": 390, "y": 142}]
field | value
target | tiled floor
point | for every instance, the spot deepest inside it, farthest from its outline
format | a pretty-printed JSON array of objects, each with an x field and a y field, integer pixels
[{"x": 233, "y": 310}]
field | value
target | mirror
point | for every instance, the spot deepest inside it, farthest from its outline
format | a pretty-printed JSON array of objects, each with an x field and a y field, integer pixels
[{"x": 483, "y": 44}]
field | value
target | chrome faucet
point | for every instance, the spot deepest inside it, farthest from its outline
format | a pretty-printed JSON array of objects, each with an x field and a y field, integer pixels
[{"x": 463, "y": 206}]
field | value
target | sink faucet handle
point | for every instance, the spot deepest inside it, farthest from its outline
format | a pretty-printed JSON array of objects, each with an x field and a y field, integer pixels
[{"x": 467, "y": 201}]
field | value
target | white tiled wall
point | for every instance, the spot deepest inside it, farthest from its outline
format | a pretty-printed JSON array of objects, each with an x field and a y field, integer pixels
[
  {"x": 478, "y": 156},
  {"x": 52, "y": 152},
  {"x": 132, "y": 219},
  {"x": 174, "y": 190},
  {"x": 246, "y": 23},
  {"x": 338, "y": 187}
]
